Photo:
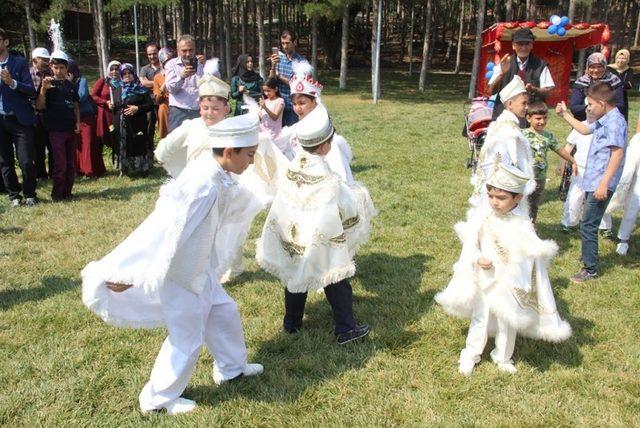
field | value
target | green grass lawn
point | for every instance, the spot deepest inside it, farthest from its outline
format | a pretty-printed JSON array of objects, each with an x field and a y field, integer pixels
[{"x": 61, "y": 366}]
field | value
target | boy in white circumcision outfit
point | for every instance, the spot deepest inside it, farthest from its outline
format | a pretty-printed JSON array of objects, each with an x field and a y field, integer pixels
[
  {"x": 166, "y": 273},
  {"x": 506, "y": 143},
  {"x": 500, "y": 281}
]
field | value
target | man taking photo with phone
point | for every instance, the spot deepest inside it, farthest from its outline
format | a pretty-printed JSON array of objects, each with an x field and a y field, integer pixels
[
  {"x": 282, "y": 68},
  {"x": 181, "y": 75}
]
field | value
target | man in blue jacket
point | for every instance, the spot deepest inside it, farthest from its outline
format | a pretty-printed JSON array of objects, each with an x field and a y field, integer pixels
[{"x": 17, "y": 120}]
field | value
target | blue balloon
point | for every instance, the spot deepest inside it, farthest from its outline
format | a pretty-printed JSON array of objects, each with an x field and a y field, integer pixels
[
  {"x": 564, "y": 21},
  {"x": 553, "y": 29},
  {"x": 561, "y": 31},
  {"x": 490, "y": 66},
  {"x": 488, "y": 75},
  {"x": 555, "y": 19}
]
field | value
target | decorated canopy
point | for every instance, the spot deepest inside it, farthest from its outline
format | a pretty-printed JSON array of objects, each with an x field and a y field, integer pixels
[{"x": 556, "y": 50}]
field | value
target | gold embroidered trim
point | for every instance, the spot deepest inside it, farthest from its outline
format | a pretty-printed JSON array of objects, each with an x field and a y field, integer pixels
[
  {"x": 292, "y": 248},
  {"x": 525, "y": 299},
  {"x": 301, "y": 178},
  {"x": 340, "y": 239},
  {"x": 350, "y": 222}
]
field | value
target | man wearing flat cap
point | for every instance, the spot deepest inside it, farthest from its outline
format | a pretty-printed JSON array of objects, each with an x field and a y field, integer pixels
[{"x": 531, "y": 69}]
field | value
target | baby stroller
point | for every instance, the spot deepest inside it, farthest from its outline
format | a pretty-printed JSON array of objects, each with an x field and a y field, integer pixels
[{"x": 477, "y": 115}]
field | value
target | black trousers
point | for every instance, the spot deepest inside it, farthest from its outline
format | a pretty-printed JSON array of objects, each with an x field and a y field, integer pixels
[
  {"x": 43, "y": 162},
  {"x": 340, "y": 297},
  {"x": 13, "y": 135}
]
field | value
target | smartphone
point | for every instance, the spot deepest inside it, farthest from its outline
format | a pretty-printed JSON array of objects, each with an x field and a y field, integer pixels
[
  {"x": 191, "y": 62},
  {"x": 275, "y": 50}
]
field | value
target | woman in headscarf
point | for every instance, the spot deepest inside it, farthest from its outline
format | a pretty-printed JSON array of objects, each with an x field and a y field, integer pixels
[
  {"x": 621, "y": 68},
  {"x": 103, "y": 94},
  {"x": 161, "y": 95},
  {"x": 89, "y": 160},
  {"x": 596, "y": 72},
  {"x": 133, "y": 154},
  {"x": 245, "y": 81}
]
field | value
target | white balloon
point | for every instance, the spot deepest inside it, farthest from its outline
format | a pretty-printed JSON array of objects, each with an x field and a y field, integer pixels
[{"x": 555, "y": 20}]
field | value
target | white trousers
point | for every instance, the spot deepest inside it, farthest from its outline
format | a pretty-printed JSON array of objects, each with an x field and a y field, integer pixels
[
  {"x": 631, "y": 211},
  {"x": 210, "y": 319},
  {"x": 573, "y": 205},
  {"x": 478, "y": 334}
]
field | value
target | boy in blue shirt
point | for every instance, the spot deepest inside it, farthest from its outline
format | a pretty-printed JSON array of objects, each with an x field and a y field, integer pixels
[{"x": 603, "y": 170}]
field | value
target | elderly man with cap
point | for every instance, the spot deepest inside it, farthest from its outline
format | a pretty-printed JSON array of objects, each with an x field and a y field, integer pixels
[
  {"x": 39, "y": 70},
  {"x": 531, "y": 69},
  {"x": 167, "y": 271},
  {"x": 315, "y": 225},
  {"x": 505, "y": 143}
]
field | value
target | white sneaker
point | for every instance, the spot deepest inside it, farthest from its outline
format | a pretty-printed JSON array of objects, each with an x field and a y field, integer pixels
[
  {"x": 251, "y": 369},
  {"x": 465, "y": 367},
  {"x": 507, "y": 367},
  {"x": 178, "y": 406},
  {"x": 622, "y": 248}
]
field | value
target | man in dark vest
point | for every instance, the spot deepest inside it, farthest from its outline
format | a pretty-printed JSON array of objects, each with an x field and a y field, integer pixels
[{"x": 533, "y": 71}]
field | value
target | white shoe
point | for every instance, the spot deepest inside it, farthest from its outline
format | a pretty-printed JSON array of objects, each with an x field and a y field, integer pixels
[
  {"x": 178, "y": 406},
  {"x": 507, "y": 367},
  {"x": 622, "y": 248},
  {"x": 251, "y": 369},
  {"x": 465, "y": 367}
]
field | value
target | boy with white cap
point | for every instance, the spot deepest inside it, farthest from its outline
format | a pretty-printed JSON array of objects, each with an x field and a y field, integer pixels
[
  {"x": 316, "y": 223},
  {"x": 189, "y": 140},
  {"x": 166, "y": 272},
  {"x": 500, "y": 281},
  {"x": 505, "y": 143},
  {"x": 305, "y": 97}
]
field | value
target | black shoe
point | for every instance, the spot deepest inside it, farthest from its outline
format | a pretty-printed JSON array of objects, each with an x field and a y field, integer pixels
[
  {"x": 357, "y": 333},
  {"x": 583, "y": 276}
]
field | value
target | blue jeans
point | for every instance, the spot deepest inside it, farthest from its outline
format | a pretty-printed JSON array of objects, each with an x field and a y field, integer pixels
[
  {"x": 289, "y": 117},
  {"x": 591, "y": 217},
  {"x": 178, "y": 115}
]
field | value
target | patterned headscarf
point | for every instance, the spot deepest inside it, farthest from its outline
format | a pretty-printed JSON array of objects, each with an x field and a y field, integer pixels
[
  {"x": 133, "y": 87},
  {"x": 586, "y": 80},
  {"x": 626, "y": 54},
  {"x": 164, "y": 55}
]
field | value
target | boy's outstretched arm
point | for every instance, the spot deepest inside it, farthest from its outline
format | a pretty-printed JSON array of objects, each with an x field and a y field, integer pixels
[
  {"x": 564, "y": 113},
  {"x": 564, "y": 154},
  {"x": 614, "y": 162}
]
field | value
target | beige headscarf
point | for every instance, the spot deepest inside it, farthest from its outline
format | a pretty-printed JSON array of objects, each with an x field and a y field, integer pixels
[{"x": 614, "y": 66}]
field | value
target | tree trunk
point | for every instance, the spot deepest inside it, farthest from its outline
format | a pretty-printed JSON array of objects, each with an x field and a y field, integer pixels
[
  {"x": 344, "y": 47},
  {"x": 244, "y": 27},
  {"x": 508, "y": 10},
  {"x": 179, "y": 20},
  {"x": 425, "y": 47},
  {"x": 582, "y": 55},
  {"x": 411, "y": 31},
  {"x": 314, "y": 45},
  {"x": 637, "y": 36},
  {"x": 374, "y": 13},
  {"x": 102, "y": 31},
  {"x": 375, "y": 83},
  {"x": 32, "y": 34},
  {"x": 403, "y": 31},
  {"x": 261, "y": 41},
  {"x": 572, "y": 10},
  {"x": 162, "y": 26},
  {"x": 456, "y": 70},
  {"x": 226, "y": 6},
  {"x": 478, "y": 45}
]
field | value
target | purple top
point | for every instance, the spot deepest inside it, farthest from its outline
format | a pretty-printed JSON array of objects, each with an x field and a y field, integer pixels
[{"x": 183, "y": 93}]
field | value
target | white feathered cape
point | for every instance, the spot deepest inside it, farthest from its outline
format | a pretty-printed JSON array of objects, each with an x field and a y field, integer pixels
[
  {"x": 517, "y": 288},
  {"x": 629, "y": 176},
  {"x": 315, "y": 225},
  {"x": 199, "y": 221}
]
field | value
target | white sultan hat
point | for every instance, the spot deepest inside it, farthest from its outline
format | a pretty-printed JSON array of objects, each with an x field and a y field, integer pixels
[
  {"x": 315, "y": 128},
  {"x": 509, "y": 178},
  {"x": 237, "y": 131},
  {"x": 303, "y": 82},
  {"x": 211, "y": 86},
  {"x": 58, "y": 54},
  {"x": 515, "y": 87},
  {"x": 40, "y": 53}
]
